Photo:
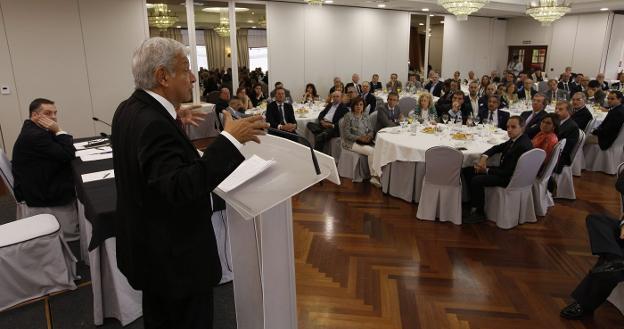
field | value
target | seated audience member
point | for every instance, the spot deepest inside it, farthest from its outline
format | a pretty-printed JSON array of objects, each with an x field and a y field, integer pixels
[
  {"x": 620, "y": 84},
  {"x": 554, "y": 94},
  {"x": 515, "y": 66},
  {"x": 494, "y": 77},
  {"x": 375, "y": 84},
  {"x": 566, "y": 85},
  {"x": 481, "y": 175},
  {"x": 600, "y": 77},
  {"x": 538, "y": 76},
  {"x": 509, "y": 77},
  {"x": 546, "y": 138},
  {"x": 280, "y": 115},
  {"x": 41, "y": 163},
  {"x": 279, "y": 85},
  {"x": 347, "y": 97},
  {"x": 389, "y": 114},
  {"x": 337, "y": 84},
  {"x": 471, "y": 101},
  {"x": 527, "y": 86},
  {"x": 510, "y": 95},
  {"x": 369, "y": 99},
  {"x": 222, "y": 104},
  {"x": 236, "y": 108},
  {"x": 257, "y": 96},
  {"x": 534, "y": 117},
  {"x": 610, "y": 127},
  {"x": 241, "y": 94},
  {"x": 490, "y": 91},
  {"x": 568, "y": 130},
  {"x": 456, "y": 77},
  {"x": 425, "y": 108},
  {"x": 310, "y": 94},
  {"x": 485, "y": 82},
  {"x": 580, "y": 113},
  {"x": 394, "y": 85},
  {"x": 471, "y": 78},
  {"x": 327, "y": 126},
  {"x": 356, "y": 134},
  {"x": 605, "y": 238},
  {"x": 434, "y": 86},
  {"x": 594, "y": 94},
  {"x": 575, "y": 84},
  {"x": 413, "y": 84},
  {"x": 585, "y": 83},
  {"x": 458, "y": 113},
  {"x": 493, "y": 114},
  {"x": 355, "y": 82},
  {"x": 520, "y": 82},
  {"x": 444, "y": 102}
]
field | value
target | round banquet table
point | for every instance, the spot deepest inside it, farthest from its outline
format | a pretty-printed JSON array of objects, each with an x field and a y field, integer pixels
[{"x": 400, "y": 154}]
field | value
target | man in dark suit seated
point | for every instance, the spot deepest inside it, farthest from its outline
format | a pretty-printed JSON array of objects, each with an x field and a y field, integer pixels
[
  {"x": 280, "y": 115},
  {"x": 369, "y": 99},
  {"x": 42, "y": 164},
  {"x": 594, "y": 94},
  {"x": 222, "y": 104},
  {"x": 355, "y": 83},
  {"x": 166, "y": 244},
  {"x": 493, "y": 115},
  {"x": 565, "y": 85},
  {"x": 278, "y": 85},
  {"x": 580, "y": 113},
  {"x": 389, "y": 114},
  {"x": 434, "y": 86},
  {"x": 569, "y": 130},
  {"x": 327, "y": 126},
  {"x": 471, "y": 101},
  {"x": 527, "y": 86},
  {"x": 490, "y": 91},
  {"x": 606, "y": 238},
  {"x": 534, "y": 118},
  {"x": 482, "y": 176},
  {"x": 609, "y": 129}
]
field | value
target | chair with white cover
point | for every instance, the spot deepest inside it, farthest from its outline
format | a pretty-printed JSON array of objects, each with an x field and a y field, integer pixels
[
  {"x": 565, "y": 180},
  {"x": 513, "y": 205},
  {"x": 35, "y": 260},
  {"x": 542, "y": 198},
  {"x": 620, "y": 171},
  {"x": 606, "y": 161},
  {"x": 406, "y": 104},
  {"x": 441, "y": 195},
  {"x": 66, "y": 215},
  {"x": 578, "y": 161},
  {"x": 352, "y": 165}
]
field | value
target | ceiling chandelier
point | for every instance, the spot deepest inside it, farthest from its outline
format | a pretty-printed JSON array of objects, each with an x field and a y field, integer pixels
[
  {"x": 223, "y": 29},
  {"x": 161, "y": 17},
  {"x": 262, "y": 21},
  {"x": 548, "y": 11},
  {"x": 462, "y": 8},
  {"x": 315, "y": 2}
]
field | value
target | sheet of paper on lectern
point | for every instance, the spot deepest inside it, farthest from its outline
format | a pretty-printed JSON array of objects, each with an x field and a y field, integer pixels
[{"x": 247, "y": 170}]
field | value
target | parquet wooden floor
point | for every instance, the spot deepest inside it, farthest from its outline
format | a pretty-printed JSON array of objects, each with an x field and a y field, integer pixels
[{"x": 363, "y": 260}]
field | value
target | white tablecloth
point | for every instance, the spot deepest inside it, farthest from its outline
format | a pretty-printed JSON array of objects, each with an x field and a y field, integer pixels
[{"x": 396, "y": 144}]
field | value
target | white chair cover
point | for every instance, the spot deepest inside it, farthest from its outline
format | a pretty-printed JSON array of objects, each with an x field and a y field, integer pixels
[
  {"x": 542, "y": 198},
  {"x": 398, "y": 179},
  {"x": 605, "y": 161},
  {"x": 6, "y": 173},
  {"x": 513, "y": 205},
  {"x": 333, "y": 148},
  {"x": 406, "y": 104},
  {"x": 353, "y": 165},
  {"x": 373, "y": 121},
  {"x": 578, "y": 162},
  {"x": 66, "y": 215},
  {"x": 441, "y": 195},
  {"x": 113, "y": 297},
  {"x": 565, "y": 181},
  {"x": 35, "y": 260}
]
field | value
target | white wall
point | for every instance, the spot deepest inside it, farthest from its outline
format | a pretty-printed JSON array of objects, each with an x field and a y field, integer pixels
[
  {"x": 74, "y": 52},
  {"x": 575, "y": 40},
  {"x": 615, "y": 54},
  {"x": 477, "y": 44},
  {"x": 314, "y": 44},
  {"x": 436, "y": 44}
]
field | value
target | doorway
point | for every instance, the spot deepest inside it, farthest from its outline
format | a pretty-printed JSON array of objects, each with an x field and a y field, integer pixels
[{"x": 532, "y": 57}]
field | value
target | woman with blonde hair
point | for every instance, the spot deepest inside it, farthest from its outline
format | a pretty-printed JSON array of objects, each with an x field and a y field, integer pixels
[{"x": 425, "y": 107}]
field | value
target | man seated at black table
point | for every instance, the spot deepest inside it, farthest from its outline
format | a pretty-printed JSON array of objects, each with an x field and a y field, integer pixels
[
  {"x": 580, "y": 113},
  {"x": 568, "y": 130},
  {"x": 482, "y": 176},
  {"x": 493, "y": 114},
  {"x": 327, "y": 126},
  {"x": 280, "y": 115},
  {"x": 42, "y": 167},
  {"x": 610, "y": 127},
  {"x": 606, "y": 235},
  {"x": 534, "y": 118}
]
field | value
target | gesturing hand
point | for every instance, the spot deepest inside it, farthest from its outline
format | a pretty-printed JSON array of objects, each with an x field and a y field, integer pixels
[
  {"x": 47, "y": 123},
  {"x": 190, "y": 117},
  {"x": 246, "y": 129}
]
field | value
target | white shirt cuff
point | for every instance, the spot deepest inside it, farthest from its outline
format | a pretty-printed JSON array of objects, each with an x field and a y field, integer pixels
[
  {"x": 233, "y": 140},
  {"x": 62, "y": 132}
]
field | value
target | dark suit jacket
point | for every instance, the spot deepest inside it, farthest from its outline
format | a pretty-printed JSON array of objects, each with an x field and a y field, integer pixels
[
  {"x": 375, "y": 86},
  {"x": 41, "y": 167},
  {"x": 274, "y": 116},
  {"x": 502, "y": 117},
  {"x": 510, "y": 153},
  {"x": 570, "y": 131},
  {"x": 341, "y": 110},
  {"x": 533, "y": 127},
  {"x": 350, "y": 84},
  {"x": 437, "y": 90},
  {"x": 165, "y": 240},
  {"x": 609, "y": 129},
  {"x": 219, "y": 107},
  {"x": 467, "y": 107},
  {"x": 383, "y": 117},
  {"x": 483, "y": 103},
  {"x": 582, "y": 117},
  {"x": 371, "y": 100},
  {"x": 571, "y": 88},
  {"x": 522, "y": 93}
]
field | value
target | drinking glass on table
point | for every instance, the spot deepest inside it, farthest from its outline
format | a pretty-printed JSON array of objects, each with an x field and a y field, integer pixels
[{"x": 469, "y": 121}]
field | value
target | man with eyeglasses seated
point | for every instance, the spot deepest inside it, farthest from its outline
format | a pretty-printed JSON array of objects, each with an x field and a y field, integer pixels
[
  {"x": 580, "y": 113},
  {"x": 606, "y": 237},
  {"x": 610, "y": 127},
  {"x": 493, "y": 114},
  {"x": 482, "y": 176}
]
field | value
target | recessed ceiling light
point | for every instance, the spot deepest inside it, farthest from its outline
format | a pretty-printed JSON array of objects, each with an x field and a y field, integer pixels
[
  {"x": 223, "y": 9},
  {"x": 250, "y": 21},
  {"x": 604, "y": 9},
  {"x": 178, "y": 26},
  {"x": 381, "y": 5},
  {"x": 425, "y": 9},
  {"x": 329, "y": 1},
  {"x": 431, "y": 15},
  {"x": 421, "y": 24},
  {"x": 150, "y": 5},
  {"x": 441, "y": 22},
  {"x": 253, "y": 27}
]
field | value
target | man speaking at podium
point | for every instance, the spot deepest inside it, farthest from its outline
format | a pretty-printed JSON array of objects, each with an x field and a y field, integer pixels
[{"x": 165, "y": 241}]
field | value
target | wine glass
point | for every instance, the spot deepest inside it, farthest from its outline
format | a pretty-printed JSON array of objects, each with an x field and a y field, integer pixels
[{"x": 445, "y": 118}]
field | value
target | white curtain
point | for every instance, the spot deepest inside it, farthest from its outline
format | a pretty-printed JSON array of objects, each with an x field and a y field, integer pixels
[
  {"x": 243, "y": 48},
  {"x": 215, "y": 50},
  {"x": 175, "y": 34}
]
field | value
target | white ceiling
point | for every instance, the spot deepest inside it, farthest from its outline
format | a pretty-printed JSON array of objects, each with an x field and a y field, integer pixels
[{"x": 495, "y": 8}]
